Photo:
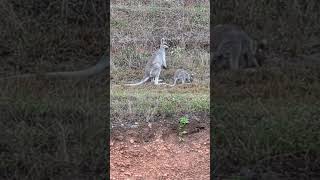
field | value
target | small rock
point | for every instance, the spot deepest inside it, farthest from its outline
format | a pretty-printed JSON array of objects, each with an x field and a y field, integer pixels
[{"x": 131, "y": 141}]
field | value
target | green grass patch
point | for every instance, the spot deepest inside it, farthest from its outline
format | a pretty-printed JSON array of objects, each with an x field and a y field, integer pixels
[
  {"x": 250, "y": 129},
  {"x": 142, "y": 100},
  {"x": 51, "y": 134}
]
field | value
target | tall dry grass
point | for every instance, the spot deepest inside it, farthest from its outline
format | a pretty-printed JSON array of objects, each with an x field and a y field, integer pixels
[
  {"x": 138, "y": 26},
  {"x": 52, "y": 129},
  {"x": 291, "y": 27}
]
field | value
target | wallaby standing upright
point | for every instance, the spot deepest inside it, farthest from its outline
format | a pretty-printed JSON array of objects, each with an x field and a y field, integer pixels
[
  {"x": 183, "y": 76},
  {"x": 154, "y": 65}
]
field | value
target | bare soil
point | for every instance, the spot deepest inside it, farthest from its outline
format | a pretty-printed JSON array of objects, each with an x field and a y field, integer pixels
[{"x": 154, "y": 151}]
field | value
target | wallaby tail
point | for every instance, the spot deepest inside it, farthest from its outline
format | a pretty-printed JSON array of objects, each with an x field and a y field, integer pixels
[
  {"x": 139, "y": 83},
  {"x": 98, "y": 68},
  {"x": 174, "y": 83},
  {"x": 19, "y": 76}
]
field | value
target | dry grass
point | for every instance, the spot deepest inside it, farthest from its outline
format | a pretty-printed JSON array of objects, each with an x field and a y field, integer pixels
[
  {"x": 147, "y": 104},
  {"x": 266, "y": 123},
  {"x": 52, "y": 129},
  {"x": 291, "y": 27},
  {"x": 135, "y": 35}
]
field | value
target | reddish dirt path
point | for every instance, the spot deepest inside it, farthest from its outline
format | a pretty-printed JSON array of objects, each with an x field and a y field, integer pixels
[{"x": 161, "y": 158}]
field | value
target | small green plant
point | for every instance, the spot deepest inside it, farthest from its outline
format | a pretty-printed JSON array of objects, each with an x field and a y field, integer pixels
[{"x": 182, "y": 125}]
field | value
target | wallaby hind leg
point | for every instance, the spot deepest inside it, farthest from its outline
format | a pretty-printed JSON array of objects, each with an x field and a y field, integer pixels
[
  {"x": 160, "y": 80},
  {"x": 155, "y": 72},
  {"x": 156, "y": 80}
]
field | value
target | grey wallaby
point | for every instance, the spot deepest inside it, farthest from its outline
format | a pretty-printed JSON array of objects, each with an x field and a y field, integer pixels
[
  {"x": 183, "y": 76},
  {"x": 233, "y": 48},
  {"x": 154, "y": 65}
]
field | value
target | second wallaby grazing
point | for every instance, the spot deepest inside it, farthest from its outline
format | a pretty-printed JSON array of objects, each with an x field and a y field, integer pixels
[
  {"x": 233, "y": 48},
  {"x": 183, "y": 76}
]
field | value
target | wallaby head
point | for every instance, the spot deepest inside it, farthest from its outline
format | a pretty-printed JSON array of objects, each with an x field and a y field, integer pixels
[
  {"x": 191, "y": 77},
  {"x": 221, "y": 60},
  {"x": 228, "y": 54},
  {"x": 163, "y": 46}
]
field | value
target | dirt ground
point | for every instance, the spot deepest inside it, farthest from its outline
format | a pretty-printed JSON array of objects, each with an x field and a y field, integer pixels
[{"x": 155, "y": 152}]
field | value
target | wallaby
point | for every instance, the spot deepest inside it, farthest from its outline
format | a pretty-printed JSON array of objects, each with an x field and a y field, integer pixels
[
  {"x": 182, "y": 75},
  {"x": 154, "y": 65},
  {"x": 98, "y": 68},
  {"x": 234, "y": 49},
  {"x": 235, "y": 52},
  {"x": 219, "y": 31}
]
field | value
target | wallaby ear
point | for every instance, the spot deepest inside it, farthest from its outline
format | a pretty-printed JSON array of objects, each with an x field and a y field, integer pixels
[{"x": 162, "y": 41}]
